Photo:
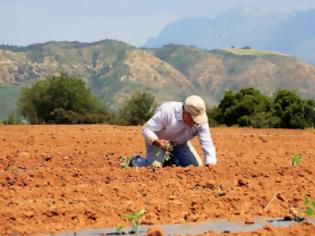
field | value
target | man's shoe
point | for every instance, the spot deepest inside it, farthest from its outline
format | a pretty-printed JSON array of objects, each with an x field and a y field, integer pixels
[
  {"x": 130, "y": 164},
  {"x": 131, "y": 160}
]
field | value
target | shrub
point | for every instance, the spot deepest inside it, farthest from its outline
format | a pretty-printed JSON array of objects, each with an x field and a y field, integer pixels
[
  {"x": 249, "y": 107},
  {"x": 293, "y": 111},
  {"x": 245, "y": 108},
  {"x": 138, "y": 109},
  {"x": 59, "y": 100}
]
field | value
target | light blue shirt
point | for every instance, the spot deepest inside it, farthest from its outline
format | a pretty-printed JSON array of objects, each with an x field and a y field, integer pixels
[{"x": 167, "y": 123}]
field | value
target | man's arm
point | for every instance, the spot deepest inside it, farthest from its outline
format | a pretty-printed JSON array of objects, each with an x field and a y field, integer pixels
[
  {"x": 153, "y": 125},
  {"x": 207, "y": 144}
]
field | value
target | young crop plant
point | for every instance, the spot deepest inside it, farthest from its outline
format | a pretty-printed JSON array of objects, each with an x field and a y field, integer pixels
[
  {"x": 295, "y": 160},
  {"x": 124, "y": 162},
  {"x": 310, "y": 206},
  {"x": 167, "y": 155},
  {"x": 134, "y": 219},
  {"x": 168, "y": 148},
  {"x": 120, "y": 229}
]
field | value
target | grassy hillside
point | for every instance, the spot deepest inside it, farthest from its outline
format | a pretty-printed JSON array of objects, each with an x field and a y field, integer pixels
[
  {"x": 115, "y": 69},
  {"x": 253, "y": 52},
  {"x": 213, "y": 72}
]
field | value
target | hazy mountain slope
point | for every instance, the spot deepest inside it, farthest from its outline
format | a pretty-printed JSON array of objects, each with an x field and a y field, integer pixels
[
  {"x": 238, "y": 27},
  {"x": 295, "y": 35},
  {"x": 143, "y": 71},
  {"x": 8, "y": 95},
  {"x": 219, "y": 70},
  {"x": 291, "y": 33},
  {"x": 114, "y": 70}
]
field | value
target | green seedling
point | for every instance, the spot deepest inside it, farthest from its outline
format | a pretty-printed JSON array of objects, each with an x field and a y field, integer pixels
[
  {"x": 310, "y": 206},
  {"x": 120, "y": 229},
  {"x": 134, "y": 219},
  {"x": 124, "y": 162},
  {"x": 295, "y": 159},
  {"x": 168, "y": 148},
  {"x": 167, "y": 155}
]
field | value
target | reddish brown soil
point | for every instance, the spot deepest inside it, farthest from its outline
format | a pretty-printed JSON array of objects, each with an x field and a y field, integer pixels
[{"x": 55, "y": 178}]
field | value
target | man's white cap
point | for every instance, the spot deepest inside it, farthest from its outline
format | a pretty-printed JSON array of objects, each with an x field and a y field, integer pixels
[{"x": 196, "y": 107}]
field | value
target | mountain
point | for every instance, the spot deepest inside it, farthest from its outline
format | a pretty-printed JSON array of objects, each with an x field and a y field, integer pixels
[
  {"x": 114, "y": 70},
  {"x": 213, "y": 72},
  {"x": 292, "y": 33}
]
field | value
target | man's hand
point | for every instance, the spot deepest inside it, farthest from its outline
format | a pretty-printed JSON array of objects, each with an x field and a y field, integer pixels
[{"x": 162, "y": 143}]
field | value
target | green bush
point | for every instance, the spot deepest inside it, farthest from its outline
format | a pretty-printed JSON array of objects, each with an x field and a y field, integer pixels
[
  {"x": 11, "y": 120},
  {"x": 61, "y": 100},
  {"x": 260, "y": 120},
  {"x": 249, "y": 107},
  {"x": 138, "y": 109},
  {"x": 293, "y": 111},
  {"x": 244, "y": 108}
]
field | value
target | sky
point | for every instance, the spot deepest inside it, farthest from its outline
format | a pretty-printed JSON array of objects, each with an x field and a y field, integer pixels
[{"x": 24, "y": 22}]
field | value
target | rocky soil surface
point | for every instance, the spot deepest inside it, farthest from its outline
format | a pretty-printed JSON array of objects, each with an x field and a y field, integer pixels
[{"x": 56, "y": 178}]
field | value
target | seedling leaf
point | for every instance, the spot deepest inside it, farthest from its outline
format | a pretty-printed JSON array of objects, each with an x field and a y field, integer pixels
[
  {"x": 309, "y": 212},
  {"x": 120, "y": 229},
  {"x": 295, "y": 159},
  {"x": 167, "y": 155},
  {"x": 134, "y": 218},
  {"x": 140, "y": 214},
  {"x": 310, "y": 206},
  {"x": 135, "y": 225},
  {"x": 124, "y": 162},
  {"x": 129, "y": 216}
]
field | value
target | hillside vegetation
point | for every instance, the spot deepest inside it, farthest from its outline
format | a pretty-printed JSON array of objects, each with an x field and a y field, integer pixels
[
  {"x": 114, "y": 70},
  {"x": 253, "y": 52}
]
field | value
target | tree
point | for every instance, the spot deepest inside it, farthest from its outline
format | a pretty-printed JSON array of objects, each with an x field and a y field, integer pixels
[
  {"x": 61, "y": 99},
  {"x": 138, "y": 109},
  {"x": 248, "y": 107},
  {"x": 293, "y": 111}
]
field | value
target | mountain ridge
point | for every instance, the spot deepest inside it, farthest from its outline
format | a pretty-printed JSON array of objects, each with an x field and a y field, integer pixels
[
  {"x": 114, "y": 70},
  {"x": 292, "y": 33}
]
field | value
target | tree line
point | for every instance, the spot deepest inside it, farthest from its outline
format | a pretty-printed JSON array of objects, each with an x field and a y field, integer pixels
[
  {"x": 249, "y": 107},
  {"x": 68, "y": 100}
]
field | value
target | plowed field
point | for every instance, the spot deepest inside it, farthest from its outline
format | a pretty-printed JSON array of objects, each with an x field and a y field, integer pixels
[{"x": 55, "y": 178}]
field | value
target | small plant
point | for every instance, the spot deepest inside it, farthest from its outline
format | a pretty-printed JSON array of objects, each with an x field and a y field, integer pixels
[
  {"x": 310, "y": 206},
  {"x": 296, "y": 158},
  {"x": 124, "y": 162},
  {"x": 134, "y": 219},
  {"x": 120, "y": 229},
  {"x": 167, "y": 155},
  {"x": 168, "y": 148}
]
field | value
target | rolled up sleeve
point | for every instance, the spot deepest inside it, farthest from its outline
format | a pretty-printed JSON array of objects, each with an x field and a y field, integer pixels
[{"x": 207, "y": 144}]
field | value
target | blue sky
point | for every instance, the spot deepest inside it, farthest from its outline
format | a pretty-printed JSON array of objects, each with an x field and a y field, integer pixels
[{"x": 24, "y": 22}]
